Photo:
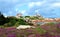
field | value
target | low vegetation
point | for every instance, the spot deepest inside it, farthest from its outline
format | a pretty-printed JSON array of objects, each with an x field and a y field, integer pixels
[
  {"x": 36, "y": 32},
  {"x": 8, "y": 28}
]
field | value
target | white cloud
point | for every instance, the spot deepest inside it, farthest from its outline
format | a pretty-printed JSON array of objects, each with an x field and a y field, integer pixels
[
  {"x": 23, "y": 11},
  {"x": 32, "y": 4},
  {"x": 38, "y": 3},
  {"x": 56, "y": 4}
]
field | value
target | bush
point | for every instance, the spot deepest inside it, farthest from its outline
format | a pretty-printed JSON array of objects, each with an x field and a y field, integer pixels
[
  {"x": 22, "y": 22},
  {"x": 2, "y": 19},
  {"x": 10, "y": 22}
]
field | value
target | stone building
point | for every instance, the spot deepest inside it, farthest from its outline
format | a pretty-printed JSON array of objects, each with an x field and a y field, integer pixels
[{"x": 18, "y": 15}]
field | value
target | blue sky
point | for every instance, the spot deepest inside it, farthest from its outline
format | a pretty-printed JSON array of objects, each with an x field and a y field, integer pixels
[{"x": 46, "y": 8}]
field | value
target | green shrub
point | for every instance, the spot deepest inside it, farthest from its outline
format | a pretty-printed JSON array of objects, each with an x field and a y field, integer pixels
[{"x": 22, "y": 22}]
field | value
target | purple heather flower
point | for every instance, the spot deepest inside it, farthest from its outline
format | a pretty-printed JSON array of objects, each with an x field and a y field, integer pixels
[
  {"x": 29, "y": 30},
  {"x": 57, "y": 36},
  {"x": 32, "y": 35},
  {"x": 11, "y": 35},
  {"x": 38, "y": 35},
  {"x": 58, "y": 25}
]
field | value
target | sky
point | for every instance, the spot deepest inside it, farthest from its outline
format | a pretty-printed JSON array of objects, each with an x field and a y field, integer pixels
[{"x": 46, "y": 8}]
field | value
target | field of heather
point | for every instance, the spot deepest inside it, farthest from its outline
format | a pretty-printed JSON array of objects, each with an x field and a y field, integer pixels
[
  {"x": 29, "y": 18},
  {"x": 39, "y": 31}
]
